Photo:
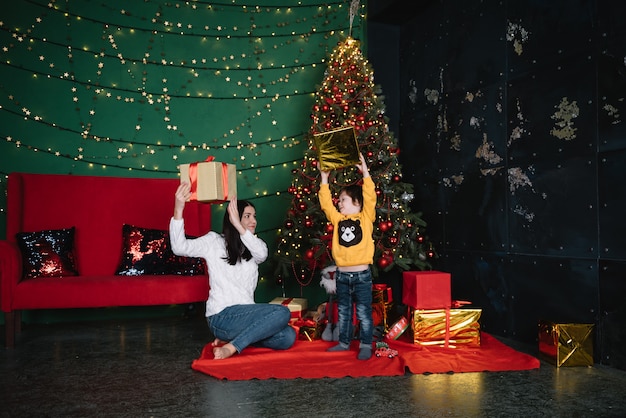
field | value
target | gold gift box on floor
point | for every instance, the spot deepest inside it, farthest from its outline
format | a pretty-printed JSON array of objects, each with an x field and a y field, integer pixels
[
  {"x": 337, "y": 148},
  {"x": 447, "y": 327},
  {"x": 566, "y": 345},
  {"x": 211, "y": 181}
]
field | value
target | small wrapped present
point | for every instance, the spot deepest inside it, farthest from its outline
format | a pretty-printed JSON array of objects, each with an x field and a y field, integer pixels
[
  {"x": 426, "y": 289},
  {"x": 382, "y": 301},
  {"x": 566, "y": 345},
  {"x": 297, "y": 306},
  {"x": 210, "y": 181},
  {"x": 381, "y": 293},
  {"x": 308, "y": 328},
  {"x": 337, "y": 148},
  {"x": 447, "y": 327},
  {"x": 397, "y": 329}
]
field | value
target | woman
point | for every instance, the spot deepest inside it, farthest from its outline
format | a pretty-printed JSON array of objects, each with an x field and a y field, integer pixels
[{"x": 232, "y": 259}]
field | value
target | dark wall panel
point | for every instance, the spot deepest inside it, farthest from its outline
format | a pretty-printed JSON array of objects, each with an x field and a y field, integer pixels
[
  {"x": 552, "y": 159},
  {"x": 383, "y": 54},
  {"x": 542, "y": 32},
  {"x": 471, "y": 52},
  {"x": 612, "y": 203},
  {"x": 612, "y": 328},
  {"x": 612, "y": 95},
  {"x": 611, "y": 75},
  {"x": 512, "y": 133}
]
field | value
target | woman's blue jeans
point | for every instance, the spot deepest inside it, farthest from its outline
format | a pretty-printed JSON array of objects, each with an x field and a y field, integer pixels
[
  {"x": 354, "y": 287},
  {"x": 261, "y": 325}
]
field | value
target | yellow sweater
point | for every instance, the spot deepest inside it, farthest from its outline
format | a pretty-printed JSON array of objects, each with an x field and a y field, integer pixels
[{"x": 352, "y": 234}]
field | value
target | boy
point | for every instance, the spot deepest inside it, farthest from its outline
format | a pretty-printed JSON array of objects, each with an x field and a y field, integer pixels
[{"x": 353, "y": 252}]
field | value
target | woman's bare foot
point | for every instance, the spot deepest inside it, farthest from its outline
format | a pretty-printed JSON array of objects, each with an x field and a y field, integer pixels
[
  {"x": 225, "y": 351},
  {"x": 217, "y": 342}
]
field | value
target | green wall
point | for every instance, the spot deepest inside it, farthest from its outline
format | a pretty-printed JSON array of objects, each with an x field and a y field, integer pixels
[{"x": 121, "y": 88}]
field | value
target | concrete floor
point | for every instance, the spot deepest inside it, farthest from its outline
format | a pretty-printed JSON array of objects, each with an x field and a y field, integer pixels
[{"x": 141, "y": 368}]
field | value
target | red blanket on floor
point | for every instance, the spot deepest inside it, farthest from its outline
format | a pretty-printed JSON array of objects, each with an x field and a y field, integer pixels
[{"x": 309, "y": 360}]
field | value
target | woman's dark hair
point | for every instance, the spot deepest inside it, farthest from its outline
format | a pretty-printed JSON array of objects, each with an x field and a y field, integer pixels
[
  {"x": 235, "y": 250},
  {"x": 355, "y": 192}
]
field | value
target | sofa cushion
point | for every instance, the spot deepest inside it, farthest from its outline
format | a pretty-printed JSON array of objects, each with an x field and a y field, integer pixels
[
  {"x": 147, "y": 251},
  {"x": 47, "y": 253}
]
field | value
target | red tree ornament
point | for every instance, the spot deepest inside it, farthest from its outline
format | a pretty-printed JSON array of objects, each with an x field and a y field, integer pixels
[{"x": 383, "y": 263}]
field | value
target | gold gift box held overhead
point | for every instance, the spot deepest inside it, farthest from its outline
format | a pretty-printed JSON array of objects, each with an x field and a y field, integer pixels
[
  {"x": 211, "y": 181},
  {"x": 337, "y": 148},
  {"x": 447, "y": 327},
  {"x": 566, "y": 345}
]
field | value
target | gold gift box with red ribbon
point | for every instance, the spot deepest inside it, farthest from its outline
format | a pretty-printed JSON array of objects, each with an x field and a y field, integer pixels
[
  {"x": 297, "y": 306},
  {"x": 210, "y": 181},
  {"x": 450, "y": 327},
  {"x": 566, "y": 344}
]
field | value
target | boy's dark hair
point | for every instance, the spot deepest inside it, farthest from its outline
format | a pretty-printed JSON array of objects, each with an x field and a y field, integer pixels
[
  {"x": 355, "y": 192},
  {"x": 235, "y": 250}
]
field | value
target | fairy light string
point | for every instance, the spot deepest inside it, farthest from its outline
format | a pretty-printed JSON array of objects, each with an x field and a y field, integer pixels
[{"x": 144, "y": 86}]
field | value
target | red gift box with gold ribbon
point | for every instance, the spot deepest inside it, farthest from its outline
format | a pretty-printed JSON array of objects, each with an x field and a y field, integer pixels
[
  {"x": 426, "y": 289},
  {"x": 210, "y": 181}
]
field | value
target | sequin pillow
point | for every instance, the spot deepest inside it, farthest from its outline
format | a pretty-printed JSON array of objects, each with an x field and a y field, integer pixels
[
  {"x": 147, "y": 252},
  {"x": 48, "y": 253}
]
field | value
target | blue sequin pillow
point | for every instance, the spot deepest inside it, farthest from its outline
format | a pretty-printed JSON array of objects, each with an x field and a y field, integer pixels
[
  {"x": 48, "y": 253},
  {"x": 147, "y": 251}
]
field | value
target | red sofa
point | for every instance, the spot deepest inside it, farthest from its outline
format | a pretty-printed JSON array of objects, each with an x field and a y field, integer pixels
[{"x": 97, "y": 207}]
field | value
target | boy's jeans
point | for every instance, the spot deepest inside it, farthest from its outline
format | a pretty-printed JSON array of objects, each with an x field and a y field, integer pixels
[{"x": 354, "y": 287}]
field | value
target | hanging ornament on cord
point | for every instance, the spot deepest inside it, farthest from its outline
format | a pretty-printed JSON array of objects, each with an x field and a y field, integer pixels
[{"x": 354, "y": 7}]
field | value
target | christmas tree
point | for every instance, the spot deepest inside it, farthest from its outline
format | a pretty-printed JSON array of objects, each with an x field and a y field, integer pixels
[{"x": 349, "y": 97}]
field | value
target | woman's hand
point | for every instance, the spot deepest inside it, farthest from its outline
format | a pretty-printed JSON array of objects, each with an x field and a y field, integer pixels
[
  {"x": 183, "y": 193},
  {"x": 233, "y": 215}
]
